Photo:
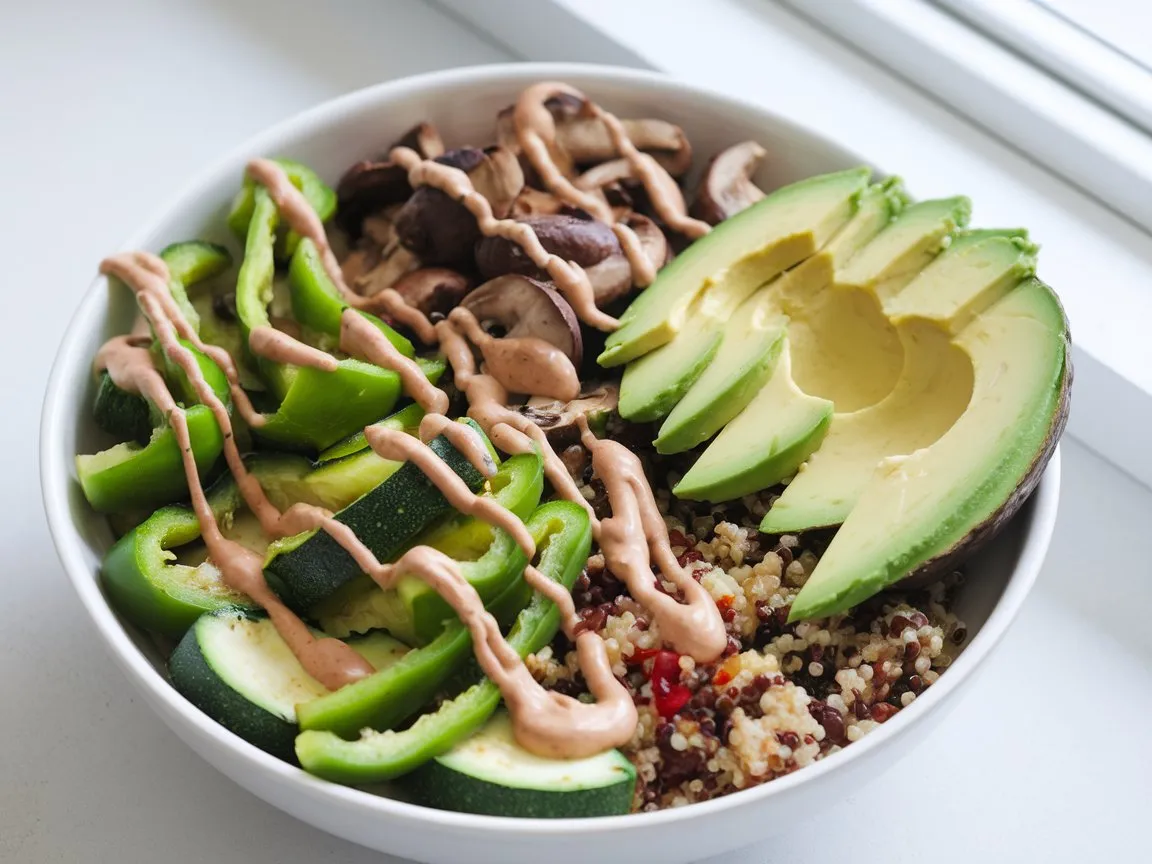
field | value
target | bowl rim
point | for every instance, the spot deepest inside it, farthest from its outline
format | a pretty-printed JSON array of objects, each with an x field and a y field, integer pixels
[{"x": 55, "y": 480}]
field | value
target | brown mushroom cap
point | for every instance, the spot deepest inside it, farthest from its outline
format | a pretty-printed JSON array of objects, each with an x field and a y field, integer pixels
[
  {"x": 726, "y": 187},
  {"x": 424, "y": 139},
  {"x": 525, "y": 307},
  {"x": 367, "y": 187},
  {"x": 433, "y": 289},
  {"x": 589, "y": 243},
  {"x": 441, "y": 231}
]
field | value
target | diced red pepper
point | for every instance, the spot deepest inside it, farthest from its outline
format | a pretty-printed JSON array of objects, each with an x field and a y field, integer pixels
[
  {"x": 640, "y": 655},
  {"x": 668, "y": 694},
  {"x": 677, "y": 538}
]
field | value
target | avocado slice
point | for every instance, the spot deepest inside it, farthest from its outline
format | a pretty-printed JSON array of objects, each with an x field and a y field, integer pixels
[
  {"x": 932, "y": 392},
  {"x": 654, "y": 384},
  {"x": 769, "y": 440},
  {"x": 921, "y": 511},
  {"x": 750, "y": 341},
  {"x": 746, "y": 456},
  {"x": 738, "y": 256}
]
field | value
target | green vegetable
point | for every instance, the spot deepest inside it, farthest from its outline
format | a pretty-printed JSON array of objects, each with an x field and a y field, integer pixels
[
  {"x": 490, "y": 773},
  {"x": 407, "y": 419},
  {"x": 317, "y": 408},
  {"x": 124, "y": 415},
  {"x": 563, "y": 537},
  {"x": 310, "y": 566},
  {"x": 157, "y": 589},
  {"x": 130, "y": 477},
  {"x": 236, "y": 668},
  {"x": 319, "y": 195},
  {"x": 191, "y": 262},
  {"x": 413, "y": 611},
  {"x": 318, "y": 305},
  {"x": 155, "y": 575}
]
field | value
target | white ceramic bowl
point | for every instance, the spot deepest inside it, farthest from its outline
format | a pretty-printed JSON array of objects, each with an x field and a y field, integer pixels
[{"x": 463, "y": 103}]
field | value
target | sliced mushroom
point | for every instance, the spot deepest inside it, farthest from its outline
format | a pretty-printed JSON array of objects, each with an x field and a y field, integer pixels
[
  {"x": 374, "y": 184},
  {"x": 589, "y": 243},
  {"x": 442, "y": 232},
  {"x": 652, "y": 239},
  {"x": 533, "y": 202},
  {"x": 558, "y": 419},
  {"x": 522, "y": 307},
  {"x": 366, "y": 188},
  {"x": 584, "y": 140},
  {"x": 433, "y": 290},
  {"x": 378, "y": 260},
  {"x": 498, "y": 178},
  {"x": 424, "y": 139},
  {"x": 726, "y": 187}
]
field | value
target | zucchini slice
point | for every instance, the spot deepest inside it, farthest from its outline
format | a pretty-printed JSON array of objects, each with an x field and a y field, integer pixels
[
  {"x": 234, "y": 667},
  {"x": 309, "y": 567},
  {"x": 491, "y": 774},
  {"x": 416, "y": 613}
]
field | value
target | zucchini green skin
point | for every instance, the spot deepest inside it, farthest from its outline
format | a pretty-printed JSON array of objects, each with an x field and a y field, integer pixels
[
  {"x": 318, "y": 305},
  {"x": 130, "y": 477},
  {"x": 311, "y": 566},
  {"x": 205, "y": 679},
  {"x": 407, "y": 419},
  {"x": 471, "y": 782},
  {"x": 124, "y": 415},
  {"x": 414, "y": 612},
  {"x": 195, "y": 678},
  {"x": 563, "y": 532}
]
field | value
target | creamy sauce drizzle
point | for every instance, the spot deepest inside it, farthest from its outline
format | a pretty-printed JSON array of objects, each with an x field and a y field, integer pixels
[{"x": 545, "y": 722}]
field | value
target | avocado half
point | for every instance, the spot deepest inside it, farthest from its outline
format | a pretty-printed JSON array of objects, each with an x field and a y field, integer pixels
[{"x": 909, "y": 375}]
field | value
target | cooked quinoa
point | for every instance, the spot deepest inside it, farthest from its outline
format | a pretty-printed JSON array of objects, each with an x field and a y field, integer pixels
[{"x": 783, "y": 695}]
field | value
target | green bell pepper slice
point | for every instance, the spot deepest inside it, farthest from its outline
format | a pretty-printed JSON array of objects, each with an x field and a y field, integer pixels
[
  {"x": 316, "y": 408},
  {"x": 407, "y": 420},
  {"x": 317, "y": 304},
  {"x": 134, "y": 476},
  {"x": 321, "y": 196},
  {"x": 151, "y": 586},
  {"x": 128, "y": 416},
  {"x": 563, "y": 535},
  {"x": 130, "y": 477}
]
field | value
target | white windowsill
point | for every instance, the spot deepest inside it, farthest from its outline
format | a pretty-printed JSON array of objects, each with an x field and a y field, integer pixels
[{"x": 1100, "y": 263}]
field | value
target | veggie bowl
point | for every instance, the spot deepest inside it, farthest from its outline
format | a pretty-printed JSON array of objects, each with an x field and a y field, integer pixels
[{"x": 381, "y": 481}]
